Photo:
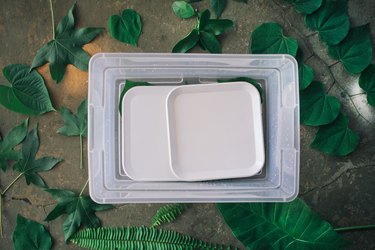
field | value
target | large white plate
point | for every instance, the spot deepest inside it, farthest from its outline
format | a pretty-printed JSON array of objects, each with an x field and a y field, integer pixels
[{"x": 215, "y": 131}]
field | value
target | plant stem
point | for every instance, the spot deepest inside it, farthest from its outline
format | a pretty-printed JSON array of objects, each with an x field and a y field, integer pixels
[
  {"x": 365, "y": 227},
  {"x": 81, "y": 157},
  {"x": 84, "y": 187},
  {"x": 11, "y": 184},
  {"x": 52, "y": 18}
]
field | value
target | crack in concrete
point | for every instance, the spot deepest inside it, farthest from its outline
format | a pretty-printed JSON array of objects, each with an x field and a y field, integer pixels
[{"x": 337, "y": 175}]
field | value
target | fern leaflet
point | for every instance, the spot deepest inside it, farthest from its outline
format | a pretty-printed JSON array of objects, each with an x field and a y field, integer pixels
[{"x": 168, "y": 213}]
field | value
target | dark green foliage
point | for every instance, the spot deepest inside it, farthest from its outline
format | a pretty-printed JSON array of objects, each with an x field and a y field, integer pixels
[
  {"x": 218, "y": 6},
  {"x": 290, "y": 225},
  {"x": 80, "y": 210},
  {"x": 27, "y": 93},
  {"x": 28, "y": 166},
  {"x": 14, "y": 137},
  {"x": 168, "y": 213},
  {"x": 30, "y": 235},
  {"x": 253, "y": 82},
  {"x": 126, "y": 28},
  {"x": 138, "y": 238},
  {"x": 66, "y": 47},
  {"x": 367, "y": 83}
]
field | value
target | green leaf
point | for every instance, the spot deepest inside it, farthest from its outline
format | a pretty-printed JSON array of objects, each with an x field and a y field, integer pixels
[
  {"x": 80, "y": 210},
  {"x": 66, "y": 47},
  {"x": 268, "y": 38},
  {"x": 218, "y": 6},
  {"x": 241, "y": 1},
  {"x": 355, "y": 51},
  {"x": 168, "y": 213},
  {"x": 218, "y": 26},
  {"x": 367, "y": 83},
  {"x": 27, "y": 93},
  {"x": 306, "y": 6},
  {"x": 126, "y": 28},
  {"x": 182, "y": 9},
  {"x": 129, "y": 85},
  {"x": 30, "y": 235},
  {"x": 74, "y": 124},
  {"x": 204, "y": 19},
  {"x": 28, "y": 166},
  {"x": 290, "y": 225},
  {"x": 209, "y": 42},
  {"x": 317, "y": 108},
  {"x": 306, "y": 75},
  {"x": 187, "y": 43},
  {"x": 336, "y": 138},
  {"x": 253, "y": 82},
  {"x": 138, "y": 238},
  {"x": 331, "y": 20},
  {"x": 14, "y": 137}
]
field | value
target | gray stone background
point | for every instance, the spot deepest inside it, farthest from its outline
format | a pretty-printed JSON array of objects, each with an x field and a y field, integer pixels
[{"x": 340, "y": 190}]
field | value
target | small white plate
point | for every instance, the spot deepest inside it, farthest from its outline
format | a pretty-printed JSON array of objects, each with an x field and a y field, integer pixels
[
  {"x": 145, "y": 140},
  {"x": 215, "y": 131}
]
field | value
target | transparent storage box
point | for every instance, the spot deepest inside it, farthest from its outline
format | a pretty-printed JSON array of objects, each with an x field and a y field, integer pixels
[{"x": 278, "y": 74}]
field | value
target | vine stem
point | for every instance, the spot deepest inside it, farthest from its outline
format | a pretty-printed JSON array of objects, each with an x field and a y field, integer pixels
[
  {"x": 81, "y": 157},
  {"x": 84, "y": 187},
  {"x": 52, "y": 19},
  {"x": 11, "y": 184},
  {"x": 343, "y": 229}
]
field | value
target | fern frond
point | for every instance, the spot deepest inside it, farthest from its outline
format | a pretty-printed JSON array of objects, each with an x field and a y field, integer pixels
[
  {"x": 138, "y": 238},
  {"x": 168, "y": 213}
]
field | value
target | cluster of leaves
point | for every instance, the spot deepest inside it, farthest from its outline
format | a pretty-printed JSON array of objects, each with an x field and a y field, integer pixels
[
  {"x": 205, "y": 31},
  {"x": 279, "y": 226},
  {"x": 351, "y": 46},
  {"x": 334, "y": 136},
  {"x": 126, "y": 28},
  {"x": 168, "y": 213}
]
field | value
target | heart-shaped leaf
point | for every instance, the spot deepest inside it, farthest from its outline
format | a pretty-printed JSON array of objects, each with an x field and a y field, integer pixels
[
  {"x": 187, "y": 43},
  {"x": 367, "y": 83},
  {"x": 268, "y": 38},
  {"x": 218, "y": 6},
  {"x": 209, "y": 42},
  {"x": 355, "y": 51},
  {"x": 27, "y": 93},
  {"x": 271, "y": 226},
  {"x": 182, "y": 9},
  {"x": 317, "y": 108},
  {"x": 331, "y": 20},
  {"x": 306, "y": 75},
  {"x": 66, "y": 47},
  {"x": 30, "y": 235},
  {"x": 336, "y": 138},
  {"x": 306, "y": 6},
  {"x": 126, "y": 28}
]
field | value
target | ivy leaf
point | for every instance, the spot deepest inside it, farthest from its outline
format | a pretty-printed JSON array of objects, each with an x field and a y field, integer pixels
[
  {"x": 129, "y": 85},
  {"x": 187, "y": 43},
  {"x": 253, "y": 82},
  {"x": 80, "y": 210},
  {"x": 28, "y": 166},
  {"x": 66, "y": 47},
  {"x": 218, "y": 26},
  {"x": 367, "y": 83},
  {"x": 14, "y": 137},
  {"x": 355, "y": 51},
  {"x": 317, "y": 108},
  {"x": 218, "y": 6},
  {"x": 306, "y": 6},
  {"x": 306, "y": 75},
  {"x": 30, "y": 235},
  {"x": 268, "y": 38},
  {"x": 331, "y": 20},
  {"x": 27, "y": 93},
  {"x": 126, "y": 28},
  {"x": 336, "y": 138},
  {"x": 209, "y": 42},
  {"x": 279, "y": 226},
  {"x": 182, "y": 9},
  {"x": 75, "y": 124}
]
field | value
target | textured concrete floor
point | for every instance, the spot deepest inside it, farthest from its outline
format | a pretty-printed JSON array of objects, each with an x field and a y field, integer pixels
[{"x": 341, "y": 190}]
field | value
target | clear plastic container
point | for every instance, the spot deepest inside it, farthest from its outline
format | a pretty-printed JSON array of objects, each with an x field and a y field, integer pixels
[{"x": 278, "y": 74}]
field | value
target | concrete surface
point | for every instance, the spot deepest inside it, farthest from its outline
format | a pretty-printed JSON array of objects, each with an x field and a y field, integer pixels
[{"x": 341, "y": 190}]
